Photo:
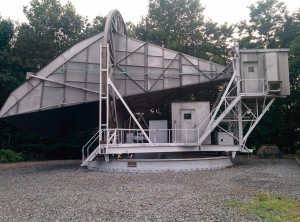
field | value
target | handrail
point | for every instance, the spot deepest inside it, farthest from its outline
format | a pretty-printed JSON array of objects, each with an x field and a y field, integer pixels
[
  {"x": 89, "y": 143},
  {"x": 88, "y": 148}
]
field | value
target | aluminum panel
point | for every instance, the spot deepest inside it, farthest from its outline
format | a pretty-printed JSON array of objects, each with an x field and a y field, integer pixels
[
  {"x": 187, "y": 60},
  {"x": 13, "y": 110},
  {"x": 284, "y": 72},
  {"x": 192, "y": 60},
  {"x": 168, "y": 54},
  {"x": 121, "y": 46},
  {"x": 34, "y": 82},
  {"x": 252, "y": 57},
  {"x": 92, "y": 86},
  {"x": 9, "y": 104},
  {"x": 31, "y": 101},
  {"x": 155, "y": 61},
  {"x": 154, "y": 72},
  {"x": 136, "y": 59},
  {"x": 93, "y": 73},
  {"x": 175, "y": 64},
  {"x": 172, "y": 73},
  {"x": 94, "y": 53},
  {"x": 155, "y": 85},
  {"x": 189, "y": 69},
  {"x": 60, "y": 70},
  {"x": 52, "y": 96},
  {"x": 213, "y": 67},
  {"x": 171, "y": 82},
  {"x": 271, "y": 68},
  {"x": 57, "y": 78},
  {"x": 204, "y": 65},
  {"x": 204, "y": 77},
  {"x": 80, "y": 57},
  {"x": 73, "y": 95},
  {"x": 120, "y": 58},
  {"x": 136, "y": 73},
  {"x": 91, "y": 97},
  {"x": 22, "y": 90},
  {"x": 133, "y": 45},
  {"x": 220, "y": 68},
  {"x": 76, "y": 72},
  {"x": 167, "y": 62},
  {"x": 190, "y": 79},
  {"x": 121, "y": 86},
  {"x": 133, "y": 88},
  {"x": 155, "y": 50}
]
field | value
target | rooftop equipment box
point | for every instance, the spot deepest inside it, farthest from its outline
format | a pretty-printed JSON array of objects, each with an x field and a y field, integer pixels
[
  {"x": 265, "y": 71},
  {"x": 189, "y": 121}
]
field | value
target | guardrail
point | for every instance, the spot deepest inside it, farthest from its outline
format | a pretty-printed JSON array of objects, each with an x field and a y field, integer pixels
[
  {"x": 253, "y": 86},
  {"x": 134, "y": 136},
  {"x": 86, "y": 148}
]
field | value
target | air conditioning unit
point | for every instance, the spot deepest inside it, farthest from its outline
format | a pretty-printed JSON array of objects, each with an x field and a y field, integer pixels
[{"x": 274, "y": 87}]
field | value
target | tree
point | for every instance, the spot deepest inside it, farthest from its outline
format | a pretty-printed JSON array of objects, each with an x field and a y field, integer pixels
[
  {"x": 10, "y": 71},
  {"x": 215, "y": 41},
  {"x": 52, "y": 29},
  {"x": 171, "y": 23},
  {"x": 180, "y": 25},
  {"x": 266, "y": 25},
  {"x": 97, "y": 26}
]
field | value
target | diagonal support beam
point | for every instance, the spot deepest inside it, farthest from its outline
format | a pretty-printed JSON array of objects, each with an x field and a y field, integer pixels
[
  {"x": 63, "y": 84},
  {"x": 130, "y": 112},
  {"x": 222, "y": 99},
  {"x": 258, "y": 119},
  {"x": 215, "y": 123}
]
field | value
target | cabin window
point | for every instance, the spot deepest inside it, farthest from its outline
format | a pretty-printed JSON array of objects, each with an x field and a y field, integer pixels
[
  {"x": 250, "y": 69},
  {"x": 187, "y": 116}
]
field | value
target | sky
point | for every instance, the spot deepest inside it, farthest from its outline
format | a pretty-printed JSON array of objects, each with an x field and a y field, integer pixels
[{"x": 231, "y": 11}]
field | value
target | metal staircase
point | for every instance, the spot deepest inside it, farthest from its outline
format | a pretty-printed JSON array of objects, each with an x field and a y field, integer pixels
[{"x": 91, "y": 157}]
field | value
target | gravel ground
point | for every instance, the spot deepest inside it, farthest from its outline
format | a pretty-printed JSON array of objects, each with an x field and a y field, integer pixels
[{"x": 63, "y": 191}]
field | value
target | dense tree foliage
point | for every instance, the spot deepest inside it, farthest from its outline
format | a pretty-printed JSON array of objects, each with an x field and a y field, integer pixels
[
  {"x": 176, "y": 24},
  {"x": 180, "y": 25},
  {"x": 52, "y": 28},
  {"x": 266, "y": 25}
]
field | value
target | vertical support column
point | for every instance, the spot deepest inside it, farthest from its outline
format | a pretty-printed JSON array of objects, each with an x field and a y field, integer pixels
[
  {"x": 100, "y": 96},
  {"x": 103, "y": 96},
  {"x": 238, "y": 87}
]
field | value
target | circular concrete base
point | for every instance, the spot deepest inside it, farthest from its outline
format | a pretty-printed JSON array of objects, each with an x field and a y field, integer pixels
[{"x": 160, "y": 165}]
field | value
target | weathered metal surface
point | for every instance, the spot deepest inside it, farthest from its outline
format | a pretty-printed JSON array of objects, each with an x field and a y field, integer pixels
[
  {"x": 190, "y": 119},
  {"x": 161, "y": 165},
  {"x": 265, "y": 71},
  {"x": 140, "y": 68},
  {"x": 143, "y": 74}
]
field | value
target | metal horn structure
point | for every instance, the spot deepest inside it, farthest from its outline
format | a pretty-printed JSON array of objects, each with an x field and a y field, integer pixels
[{"x": 107, "y": 78}]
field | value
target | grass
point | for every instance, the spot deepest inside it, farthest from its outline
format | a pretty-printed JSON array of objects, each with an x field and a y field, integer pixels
[{"x": 270, "y": 207}]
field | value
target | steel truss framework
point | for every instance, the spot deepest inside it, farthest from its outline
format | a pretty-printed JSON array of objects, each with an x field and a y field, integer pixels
[
  {"x": 111, "y": 66},
  {"x": 236, "y": 114}
]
